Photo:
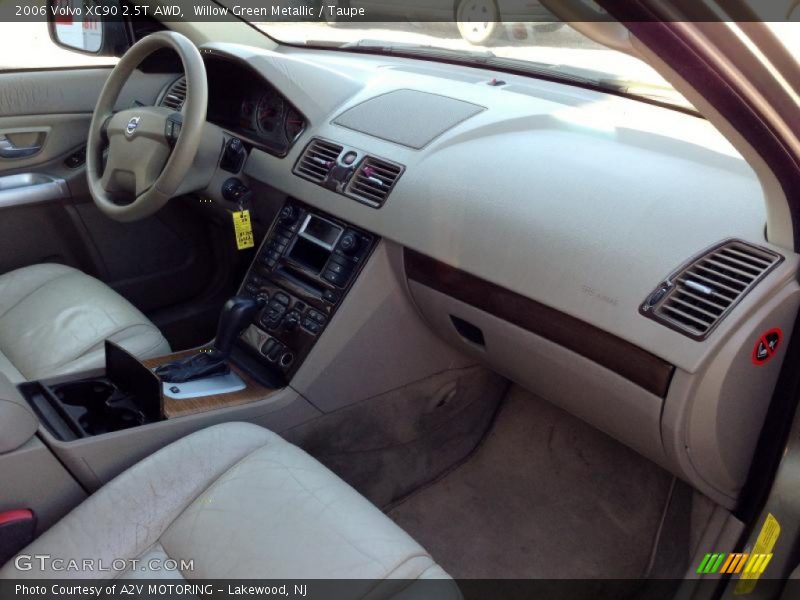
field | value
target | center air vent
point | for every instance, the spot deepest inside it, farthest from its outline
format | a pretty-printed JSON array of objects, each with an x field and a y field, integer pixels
[
  {"x": 699, "y": 295},
  {"x": 176, "y": 95},
  {"x": 348, "y": 171},
  {"x": 373, "y": 181},
  {"x": 317, "y": 160}
]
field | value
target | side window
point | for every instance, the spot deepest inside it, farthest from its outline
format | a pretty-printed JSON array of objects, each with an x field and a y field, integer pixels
[{"x": 27, "y": 45}]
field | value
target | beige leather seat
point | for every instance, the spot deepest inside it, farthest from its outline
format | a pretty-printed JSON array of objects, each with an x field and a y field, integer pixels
[
  {"x": 240, "y": 502},
  {"x": 55, "y": 319}
]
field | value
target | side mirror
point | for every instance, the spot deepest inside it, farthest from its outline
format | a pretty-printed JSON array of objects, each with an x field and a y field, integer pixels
[{"x": 77, "y": 25}]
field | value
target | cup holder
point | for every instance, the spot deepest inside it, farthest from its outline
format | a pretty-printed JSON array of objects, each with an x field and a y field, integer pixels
[{"x": 97, "y": 406}]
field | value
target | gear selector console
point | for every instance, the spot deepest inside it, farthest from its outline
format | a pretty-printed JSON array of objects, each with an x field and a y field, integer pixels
[{"x": 302, "y": 271}]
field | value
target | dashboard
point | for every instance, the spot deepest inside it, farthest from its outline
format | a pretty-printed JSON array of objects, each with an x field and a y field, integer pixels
[
  {"x": 510, "y": 210},
  {"x": 242, "y": 102}
]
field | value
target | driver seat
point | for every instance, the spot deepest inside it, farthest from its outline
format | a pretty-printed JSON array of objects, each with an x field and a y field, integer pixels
[{"x": 55, "y": 319}]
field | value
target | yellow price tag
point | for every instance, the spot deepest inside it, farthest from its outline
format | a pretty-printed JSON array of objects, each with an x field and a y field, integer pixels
[{"x": 243, "y": 229}]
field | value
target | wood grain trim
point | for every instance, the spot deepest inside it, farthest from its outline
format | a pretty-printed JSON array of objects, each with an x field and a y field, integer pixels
[
  {"x": 180, "y": 408},
  {"x": 628, "y": 360}
]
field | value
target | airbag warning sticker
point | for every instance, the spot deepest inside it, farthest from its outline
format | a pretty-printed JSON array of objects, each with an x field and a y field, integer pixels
[
  {"x": 766, "y": 346},
  {"x": 760, "y": 556}
]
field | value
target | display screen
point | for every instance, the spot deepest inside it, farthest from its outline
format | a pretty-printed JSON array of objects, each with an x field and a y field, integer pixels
[
  {"x": 322, "y": 230},
  {"x": 310, "y": 255}
]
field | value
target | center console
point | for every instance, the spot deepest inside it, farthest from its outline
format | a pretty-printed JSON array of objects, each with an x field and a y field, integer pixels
[
  {"x": 302, "y": 272},
  {"x": 300, "y": 275}
]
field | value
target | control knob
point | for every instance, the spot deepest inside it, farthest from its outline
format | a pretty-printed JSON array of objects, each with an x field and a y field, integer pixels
[
  {"x": 349, "y": 243},
  {"x": 291, "y": 321},
  {"x": 288, "y": 215}
]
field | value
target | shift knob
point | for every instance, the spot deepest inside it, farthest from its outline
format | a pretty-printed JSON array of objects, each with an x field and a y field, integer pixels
[{"x": 236, "y": 315}]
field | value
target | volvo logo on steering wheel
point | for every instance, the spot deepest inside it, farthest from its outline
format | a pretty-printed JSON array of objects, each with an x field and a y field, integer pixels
[{"x": 133, "y": 125}]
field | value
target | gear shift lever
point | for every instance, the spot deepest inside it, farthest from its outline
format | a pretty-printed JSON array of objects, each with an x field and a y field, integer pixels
[{"x": 236, "y": 315}]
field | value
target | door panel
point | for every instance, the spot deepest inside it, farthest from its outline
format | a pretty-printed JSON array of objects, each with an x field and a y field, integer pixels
[
  {"x": 59, "y": 134},
  {"x": 167, "y": 265},
  {"x": 60, "y": 91}
]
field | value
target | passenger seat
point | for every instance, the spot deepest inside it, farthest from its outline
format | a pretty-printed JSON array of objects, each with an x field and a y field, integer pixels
[{"x": 240, "y": 503}]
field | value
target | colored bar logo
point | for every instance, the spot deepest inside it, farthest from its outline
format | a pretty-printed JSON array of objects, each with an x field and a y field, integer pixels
[{"x": 734, "y": 563}]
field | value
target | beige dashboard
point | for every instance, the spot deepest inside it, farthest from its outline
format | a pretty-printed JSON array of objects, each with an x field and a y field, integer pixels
[{"x": 577, "y": 201}]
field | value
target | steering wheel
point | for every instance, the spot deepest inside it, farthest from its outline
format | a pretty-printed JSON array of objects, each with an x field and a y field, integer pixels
[{"x": 142, "y": 171}]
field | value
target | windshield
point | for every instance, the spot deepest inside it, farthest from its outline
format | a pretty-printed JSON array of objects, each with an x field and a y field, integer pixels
[{"x": 544, "y": 48}]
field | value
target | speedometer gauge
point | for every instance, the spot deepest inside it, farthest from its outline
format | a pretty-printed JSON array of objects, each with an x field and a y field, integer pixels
[{"x": 270, "y": 112}]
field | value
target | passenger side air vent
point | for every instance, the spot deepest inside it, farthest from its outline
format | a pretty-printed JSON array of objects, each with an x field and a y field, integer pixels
[
  {"x": 317, "y": 160},
  {"x": 698, "y": 296},
  {"x": 176, "y": 95},
  {"x": 373, "y": 180}
]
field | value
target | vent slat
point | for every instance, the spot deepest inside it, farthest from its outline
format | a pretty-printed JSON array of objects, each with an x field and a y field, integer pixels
[
  {"x": 706, "y": 290},
  {"x": 714, "y": 301},
  {"x": 323, "y": 154},
  {"x": 694, "y": 307},
  {"x": 362, "y": 190},
  {"x": 726, "y": 267},
  {"x": 757, "y": 261},
  {"x": 701, "y": 325},
  {"x": 711, "y": 276},
  {"x": 737, "y": 263},
  {"x": 720, "y": 291},
  {"x": 367, "y": 183},
  {"x": 313, "y": 172},
  {"x": 390, "y": 174}
]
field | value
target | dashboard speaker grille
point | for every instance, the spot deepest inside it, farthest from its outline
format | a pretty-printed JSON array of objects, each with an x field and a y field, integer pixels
[
  {"x": 373, "y": 180},
  {"x": 317, "y": 160},
  {"x": 698, "y": 296},
  {"x": 176, "y": 95}
]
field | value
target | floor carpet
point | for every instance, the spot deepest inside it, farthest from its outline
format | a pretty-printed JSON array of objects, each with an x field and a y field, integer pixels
[{"x": 544, "y": 496}]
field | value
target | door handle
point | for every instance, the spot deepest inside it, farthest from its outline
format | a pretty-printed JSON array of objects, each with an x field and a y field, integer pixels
[{"x": 9, "y": 150}]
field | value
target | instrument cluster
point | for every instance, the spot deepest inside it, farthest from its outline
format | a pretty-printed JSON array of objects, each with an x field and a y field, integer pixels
[
  {"x": 244, "y": 103},
  {"x": 271, "y": 118}
]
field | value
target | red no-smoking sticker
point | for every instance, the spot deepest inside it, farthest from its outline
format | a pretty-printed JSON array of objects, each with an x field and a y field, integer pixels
[{"x": 766, "y": 346}]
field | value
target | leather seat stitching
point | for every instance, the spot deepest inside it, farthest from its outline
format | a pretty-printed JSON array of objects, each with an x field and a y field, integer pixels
[
  {"x": 407, "y": 579},
  {"x": 409, "y": 559}
]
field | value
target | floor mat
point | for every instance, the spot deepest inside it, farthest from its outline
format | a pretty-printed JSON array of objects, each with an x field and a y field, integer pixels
[{"x": 544, "y": 496}]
